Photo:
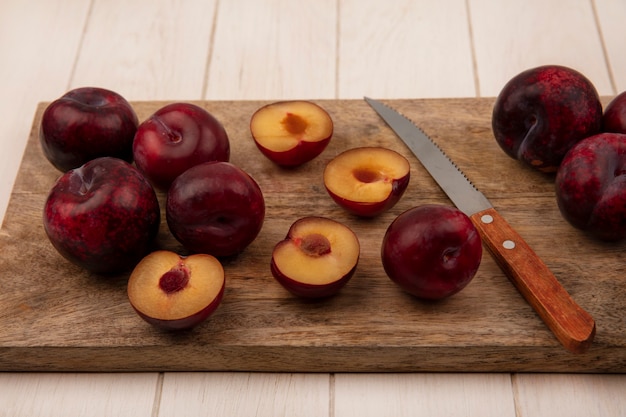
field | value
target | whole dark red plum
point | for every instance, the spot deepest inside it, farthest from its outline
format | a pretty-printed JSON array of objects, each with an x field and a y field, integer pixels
[
  {"x": 542, "y": 112},
  {"x": 215, "y": 208},
  {"x": 431, "y": 251},
  {"x": 87, "y": 123},
  {"x": 614, "y": 118},
  {"x": 591, "y": 186},
  {"x": 175, "y": 138},
  {"x": 102, "y": 216}
]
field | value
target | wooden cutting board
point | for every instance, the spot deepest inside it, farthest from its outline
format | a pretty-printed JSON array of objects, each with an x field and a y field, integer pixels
[{"x": 56, "y": 317}]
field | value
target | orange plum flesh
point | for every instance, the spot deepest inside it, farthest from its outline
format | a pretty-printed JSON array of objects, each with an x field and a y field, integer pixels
[
  {"x": 174, "y": 292},
  {"x": 291, "y": 133},
  {"x": 317, "y": 257},
  {"x": 367, "y": 181}
]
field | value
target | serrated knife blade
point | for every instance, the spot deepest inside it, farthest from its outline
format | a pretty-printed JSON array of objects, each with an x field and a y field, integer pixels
[{"x": 571, "y": 325}]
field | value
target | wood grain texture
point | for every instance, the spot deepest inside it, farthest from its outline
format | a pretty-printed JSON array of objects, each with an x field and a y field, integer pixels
[
  {"x": 276, "y": 49},
  {"x": 571, "y": 325},
  {"x": 160, "y": 53},
  {"x": 512, "y": 36},
  {"x": 402, "y": 51},
  {"x": 611, "y": 15},
  {"x": 54, "y": 316},
  {"x": 244, "y": 394},
  {"x": 30, "y": 36},
  {"x": 548, "y": 395},
  {"x": 74, "y": 395},
  {"x": 423, "y": 395}
]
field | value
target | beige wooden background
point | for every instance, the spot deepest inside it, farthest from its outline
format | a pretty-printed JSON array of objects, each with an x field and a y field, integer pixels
[{"x": 278, "y": 49}]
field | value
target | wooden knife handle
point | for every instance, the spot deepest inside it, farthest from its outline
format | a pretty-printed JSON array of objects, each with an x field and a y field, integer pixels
[{"x": 571, "y": 325}]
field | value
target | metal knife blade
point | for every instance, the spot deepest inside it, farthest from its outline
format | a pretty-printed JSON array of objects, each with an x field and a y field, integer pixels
[
  {"x": 449, "y": 177},
  {"x": 572, "y": 326}
]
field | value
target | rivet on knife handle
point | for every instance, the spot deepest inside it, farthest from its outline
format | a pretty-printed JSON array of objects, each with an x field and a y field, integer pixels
[{"x": 571, "y": 325}]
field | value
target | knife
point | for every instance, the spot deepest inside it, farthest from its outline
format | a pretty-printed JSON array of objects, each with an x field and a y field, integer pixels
[{"x": 572, "y": 326}]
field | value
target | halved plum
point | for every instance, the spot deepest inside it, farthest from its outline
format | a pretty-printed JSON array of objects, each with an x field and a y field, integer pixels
[
  {"x": 317, "y": 257},
  {"x": 291, "y": 133},
  {"x": 367, "y": 181},
  {"x": 173, "y": 292}
]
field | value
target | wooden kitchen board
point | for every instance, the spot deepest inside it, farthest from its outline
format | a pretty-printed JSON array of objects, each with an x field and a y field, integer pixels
[{"x": 56, "y": 317}]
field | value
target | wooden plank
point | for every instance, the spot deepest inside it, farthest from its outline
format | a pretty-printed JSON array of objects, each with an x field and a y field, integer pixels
[
  {"x": 55, "y": 394},
  {"x": 54, "y": 308},
  {"x": 162, "y": 49},
  {"x": 146, "y": 49},
  {"x": 511, "y": 36},
  {"x": 244, "y": 394},
  {"x": 403, "y": 52},
  {"x": 39, "y": 42},
  {"x": 427, "y": 395},
  {"x": 543, "y": 395},
  {"x": 611, "y": 16},
  {"x": 266, "y": 50}
]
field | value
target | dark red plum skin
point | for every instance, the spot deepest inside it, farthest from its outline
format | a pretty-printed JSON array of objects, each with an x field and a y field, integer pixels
[
  {"x": 87, "y": 123},
  {"x": 544, "y": 111},
  {"x": 614, "y": 118},
  {"x": 102, "y": 216},
  {"x": 431, "y": 251},
  {"x": 591, "y": 186},
  {"x": 175, "y": 138},
  {"x": 301, "y": 154},
  {"x": 215, "y": 208}
]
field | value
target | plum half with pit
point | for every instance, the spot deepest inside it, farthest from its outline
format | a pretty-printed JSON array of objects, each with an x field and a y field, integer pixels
[
  {"x": 174, "y": 292},
  {"x": 291, "y": 133},
  {"x": 367, "y": 181},
  {"x": 317, "y": 257}
]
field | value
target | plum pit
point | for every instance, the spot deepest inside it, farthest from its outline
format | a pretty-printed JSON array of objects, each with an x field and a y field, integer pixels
[
  {"x": 291, "y": 133},
  {"x": 294, "y": 123},
  {"x": 315, "y": 244},
  {"x": 367, "y": 175},
  {"x": 308, "y": 265},
  {"x": 175, "y": 279}
]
